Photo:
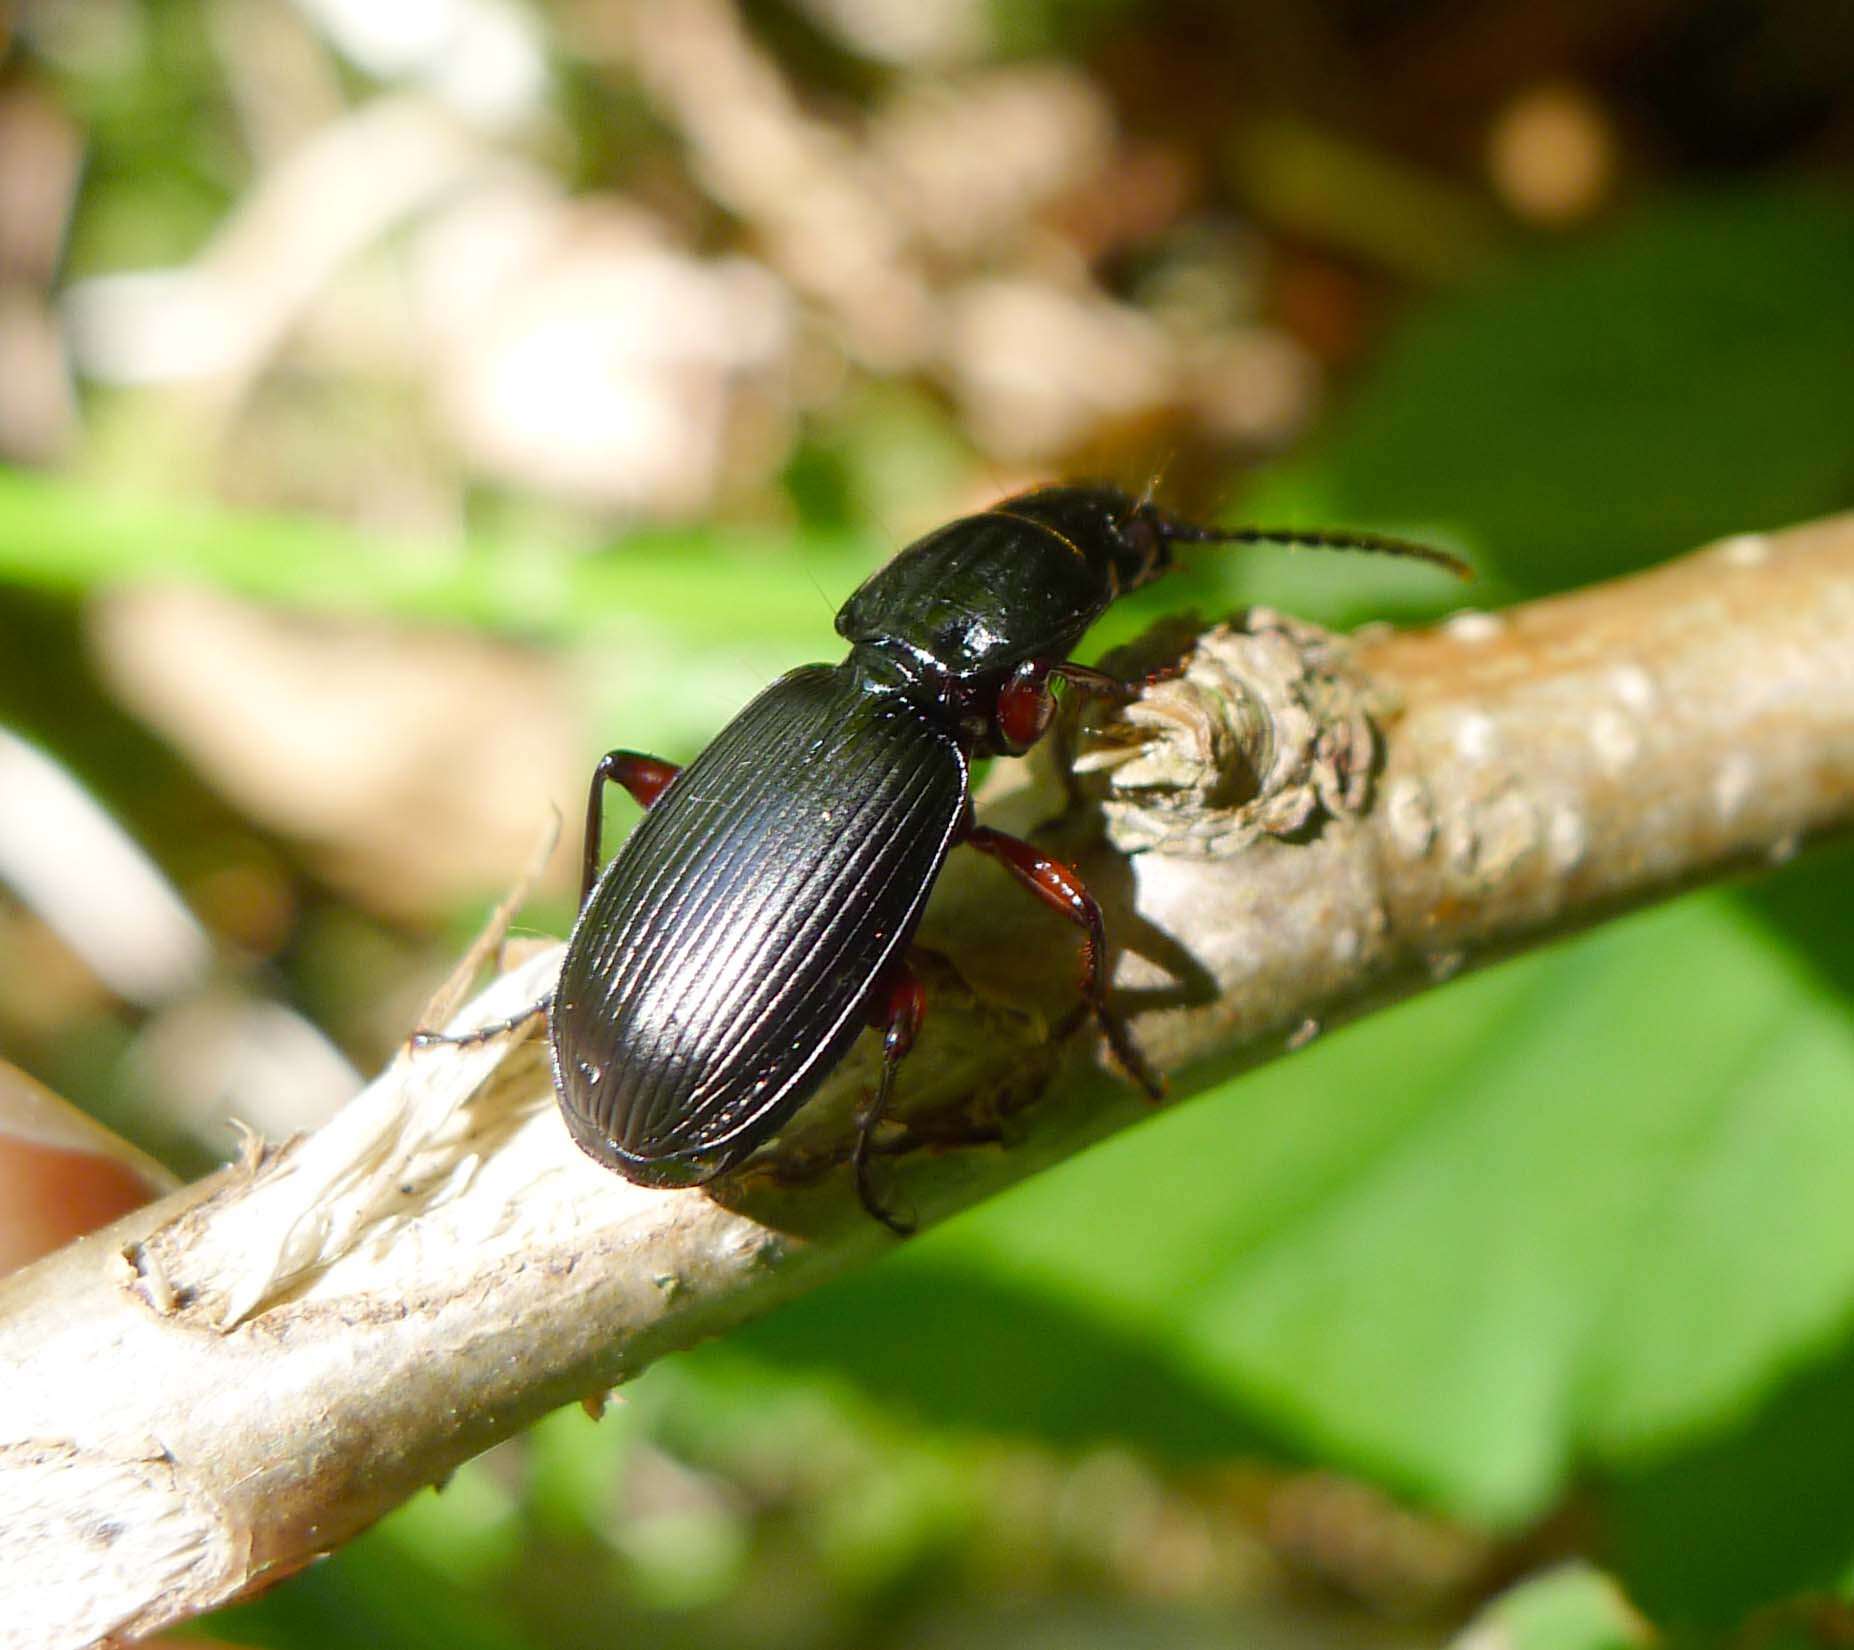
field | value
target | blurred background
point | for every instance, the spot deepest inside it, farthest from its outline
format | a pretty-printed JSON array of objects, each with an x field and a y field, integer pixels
[{"x": 402, "y": 403}]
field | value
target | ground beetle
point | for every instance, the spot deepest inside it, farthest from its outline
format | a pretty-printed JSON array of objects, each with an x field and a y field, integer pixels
[{"x": 759, "y": 916}]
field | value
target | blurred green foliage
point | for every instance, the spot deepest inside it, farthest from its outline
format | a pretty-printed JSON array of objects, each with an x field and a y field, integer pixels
[
  {"x": 1604, "y": 407},
  {"x": 1564, "y": 1246},
  {"x": 1574, "y": 1608},
  {"x": 1580, "y": 1220},
  {"x": 686, "y": 586}
]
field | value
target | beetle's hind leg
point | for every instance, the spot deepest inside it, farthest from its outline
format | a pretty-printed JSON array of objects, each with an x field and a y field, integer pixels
[
  {"x": 899, "y": 1007},
  {"x": 645, "y": 777},
  {"x": 484, "y": 1033},
  {"x": 1058, "y": 886}
]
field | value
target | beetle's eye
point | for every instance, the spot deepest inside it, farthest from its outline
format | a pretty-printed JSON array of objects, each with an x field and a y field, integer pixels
[{"x": 1142, "y": 535}]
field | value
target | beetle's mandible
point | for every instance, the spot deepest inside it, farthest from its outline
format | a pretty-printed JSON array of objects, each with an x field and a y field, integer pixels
[{"x": 759, "y": 916}]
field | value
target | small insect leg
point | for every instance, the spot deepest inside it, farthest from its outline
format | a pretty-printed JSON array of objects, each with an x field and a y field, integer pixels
[
  {"x": 645, "y": 777},
  {"x": 899, "y": 1006},
  {"x": 1059, "y": 887},
  {"x": 482, "y": 1034},
  {"x": 1097, "y": 684},
  {"x": 1086, "y": 679}
]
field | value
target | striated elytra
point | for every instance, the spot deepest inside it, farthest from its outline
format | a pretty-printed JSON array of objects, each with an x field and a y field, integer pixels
[{"x": 758, "y": 918}]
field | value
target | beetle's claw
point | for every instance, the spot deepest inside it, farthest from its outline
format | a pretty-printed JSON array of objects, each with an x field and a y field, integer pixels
[
  {"x": 1127, "y": 1053},
  {"x": 1120, "y": 1043},
  {"x": 860, "y": 1160},
  {"x": 1132, "y": 1061}
]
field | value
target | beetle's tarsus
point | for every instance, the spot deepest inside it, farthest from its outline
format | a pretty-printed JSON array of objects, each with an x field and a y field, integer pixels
[
  {"x": 861, "y": 1160},
  {"x": 481, "y": 1034},
  {"x": 1129, "y": 1055},
  {"x": 1121, "y": 1044},
  {"x": 898, "y": 1008}
]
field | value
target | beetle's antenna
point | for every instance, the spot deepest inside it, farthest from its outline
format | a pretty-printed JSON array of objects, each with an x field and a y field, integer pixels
[{"x": 1320, "y": 538}]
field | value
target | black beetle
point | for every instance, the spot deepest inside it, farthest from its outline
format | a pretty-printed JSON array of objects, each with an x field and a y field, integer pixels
[{"x": 759, "y": 916}]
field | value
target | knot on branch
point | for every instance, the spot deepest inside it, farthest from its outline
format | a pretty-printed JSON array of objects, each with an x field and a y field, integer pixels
[{"x": 1261, "y": 724}]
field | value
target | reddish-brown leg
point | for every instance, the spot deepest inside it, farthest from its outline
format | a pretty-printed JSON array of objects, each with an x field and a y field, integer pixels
[
  {"x": 1096, "y": 684},
  {"x": 1058, "y": 886},
  {"x": 898, "y": 1007},
  {"x": 1100, "y": 685},
  {"x": 1086, "y": 679},
  {"x": 643, "y": 776},
  {"x": 1082, "y": 679}
]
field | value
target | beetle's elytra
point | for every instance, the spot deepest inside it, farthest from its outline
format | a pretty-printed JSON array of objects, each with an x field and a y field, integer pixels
[{"x": 759, "y": 916}]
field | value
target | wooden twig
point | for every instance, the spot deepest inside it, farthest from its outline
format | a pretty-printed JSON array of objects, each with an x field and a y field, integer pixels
[{"x": 216, "y": 1389}]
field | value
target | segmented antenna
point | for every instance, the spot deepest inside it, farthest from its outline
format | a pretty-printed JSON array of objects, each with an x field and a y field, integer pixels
[{"x": 1319, "y": 538}]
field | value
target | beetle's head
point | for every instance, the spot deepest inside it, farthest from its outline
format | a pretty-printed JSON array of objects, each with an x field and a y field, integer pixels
[
  {"x": 1143, "y": 538},
  {"x": 1125, "y": 541}
]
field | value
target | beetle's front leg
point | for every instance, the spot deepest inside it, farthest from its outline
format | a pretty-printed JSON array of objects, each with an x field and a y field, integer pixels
[
  {"x": 1086, "y": 679},
  {"x": 1097, "y": 684},
  {"x": 898, "y": 1007},
  {"x": 1059, "y": 887},
  {"x": 645, "y": 777}
]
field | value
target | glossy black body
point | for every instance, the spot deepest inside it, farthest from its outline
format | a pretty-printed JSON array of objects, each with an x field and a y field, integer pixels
[
  {"x": 974, "y": 599},
  {"x": 723, "y": 963},
  {"x": 733, "y": 949},
  {"x": 725, "y": 959}
]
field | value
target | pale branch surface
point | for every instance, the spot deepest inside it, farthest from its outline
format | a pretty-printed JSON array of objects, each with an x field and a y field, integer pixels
[{"x": 216, "y": 1389}]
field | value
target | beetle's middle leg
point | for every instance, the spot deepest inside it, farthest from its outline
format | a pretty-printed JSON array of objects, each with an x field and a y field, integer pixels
[
  {"x": 898, "y": 1007},
  {"x": 645, "y": 777},
  {"x": 1059, "y": 887}
]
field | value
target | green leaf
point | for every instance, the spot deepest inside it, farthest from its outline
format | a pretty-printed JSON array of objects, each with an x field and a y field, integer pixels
[
  {"x": 1764, "y": 1511},
  {"x": 1613, "y": 403},
  {"x": 1589, "y": 1202},
  {"x": 1575, "y": 1608}
]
